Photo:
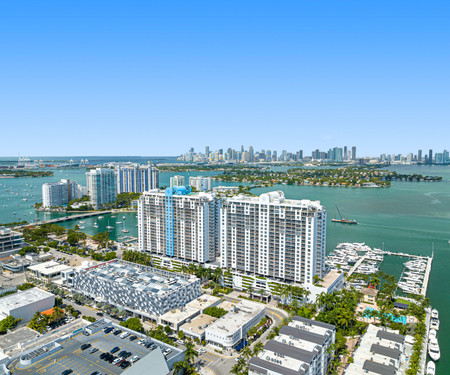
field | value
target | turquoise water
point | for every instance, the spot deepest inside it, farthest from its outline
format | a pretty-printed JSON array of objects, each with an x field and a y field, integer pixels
[
  {"x": 400, "y": 319},
  {"x": 407, "y": 217}
]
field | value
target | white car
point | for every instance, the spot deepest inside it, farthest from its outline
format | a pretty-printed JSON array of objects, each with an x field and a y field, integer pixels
[
  {"x": 167, "y": 351},
  {"x": 201, "y": 351},
  {"x": 124, "y": 335},
  {"x": 135, "y": 359}
]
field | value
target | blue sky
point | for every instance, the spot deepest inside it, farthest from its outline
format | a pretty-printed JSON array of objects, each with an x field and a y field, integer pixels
[{"x": 158, "y": 77}]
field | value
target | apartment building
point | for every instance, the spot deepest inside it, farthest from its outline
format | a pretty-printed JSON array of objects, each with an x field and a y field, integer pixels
[
  {"x": 177, "y": 181},
  {"x": 178, "y": 223},
  {"x": 101, "y": 186},
  {"x": 200, "y": 183},
  {"x": 272, "y": 236},
  {"x": 56, "y": 194},
  {"x": 302, "y": 347},
  {"x": 136, "y": 178},
  {"x": 10, "y": 242}
]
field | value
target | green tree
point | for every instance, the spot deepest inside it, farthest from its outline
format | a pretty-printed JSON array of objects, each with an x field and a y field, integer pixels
[{"x": 133, "y": 324}]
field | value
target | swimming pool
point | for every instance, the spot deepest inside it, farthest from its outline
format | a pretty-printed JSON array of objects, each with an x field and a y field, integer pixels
[{"x": 400, "y": 319}]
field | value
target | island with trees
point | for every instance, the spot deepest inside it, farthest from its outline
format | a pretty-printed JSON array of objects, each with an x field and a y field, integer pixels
[
  {"x": 13, "y": 173},
  {"x": 358, "y": 177}
]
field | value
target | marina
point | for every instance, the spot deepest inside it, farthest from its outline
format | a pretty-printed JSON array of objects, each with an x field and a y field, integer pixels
[{"x": 360, "y": 259}]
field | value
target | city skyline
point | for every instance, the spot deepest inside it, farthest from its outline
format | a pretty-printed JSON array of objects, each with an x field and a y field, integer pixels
[{"x": 124, "y": 80}]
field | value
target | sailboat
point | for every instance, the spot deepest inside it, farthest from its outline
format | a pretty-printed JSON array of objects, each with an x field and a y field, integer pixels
[
  {"x": 109, "y": 227},
  {"x": 342, "y": 220},
  {"x": 124, "y": 230}
]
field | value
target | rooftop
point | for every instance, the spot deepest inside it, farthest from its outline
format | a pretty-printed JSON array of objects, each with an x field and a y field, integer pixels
[
  {"x": 330, "y": 278},
  {"x": 197, "y": 325},
  {"x": 369, "y": 291},
  {"x": 140, "y": 278},
  {"x": 19, "y": 299},
  {"x": 236, "y": 318},
  {"x": 277, "y": 197},
  {"x": 49, "y": 268}
]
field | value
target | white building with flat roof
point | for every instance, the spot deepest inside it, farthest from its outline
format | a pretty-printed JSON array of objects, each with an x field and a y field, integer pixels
[
  {"x": 301, "y": 348},
  {"x": 101, "y": 186},
  {"x": 48, "y": 271},
  {"x": 23, "y": 305},
  {"x": 177, "y": 181},
  {"x": 10, "y": 242},
  {"x": 228, "y": 331}
]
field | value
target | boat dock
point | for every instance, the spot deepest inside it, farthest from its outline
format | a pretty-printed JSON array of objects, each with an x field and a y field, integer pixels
[
  {"x": 128, "y": 239},
  {"x": 356, "y": 265},
  {"x": 427, "y": 277}
]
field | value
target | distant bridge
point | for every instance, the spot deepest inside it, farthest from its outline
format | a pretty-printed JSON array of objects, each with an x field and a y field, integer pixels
[{"x": 67, "y": 218}]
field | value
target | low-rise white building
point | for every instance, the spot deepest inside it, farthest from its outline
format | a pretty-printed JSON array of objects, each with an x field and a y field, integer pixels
[
  {"x": 48, "y": 271},
  {"x": 23, "y": 305},
  {"x": 381, "y": 351},
  {"x": 200, "y": 183},
  {"x": 10, "y": 242},
  {"x": 177, "y": 317},
  {"x": 302, "y": 347},
  {"x": 228, "y": 331},
  {"x": 332, "y": 281}
]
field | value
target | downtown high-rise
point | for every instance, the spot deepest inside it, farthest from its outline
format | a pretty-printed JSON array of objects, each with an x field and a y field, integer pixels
[
  {"x": 56, "y": 194},
  {"x": 274, "y": 237}
]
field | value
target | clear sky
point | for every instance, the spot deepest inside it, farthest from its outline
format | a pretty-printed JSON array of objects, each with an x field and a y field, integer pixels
[{"x": 158, "y": 77}]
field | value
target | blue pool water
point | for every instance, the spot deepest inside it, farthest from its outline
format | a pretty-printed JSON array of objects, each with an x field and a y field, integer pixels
[{"x": 401, "y": 319}]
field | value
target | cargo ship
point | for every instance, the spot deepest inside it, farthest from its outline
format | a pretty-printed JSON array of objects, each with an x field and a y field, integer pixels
[{"x": 342, "y": 220}]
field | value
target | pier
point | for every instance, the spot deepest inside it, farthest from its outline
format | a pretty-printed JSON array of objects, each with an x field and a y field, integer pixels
[
  {"x": 427, "y": 277},
  {"x": 356, "y": 265}
]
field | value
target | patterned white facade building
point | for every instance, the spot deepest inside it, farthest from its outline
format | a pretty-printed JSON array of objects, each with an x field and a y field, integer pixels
[
  {"x": 178, "y": 223},
  {"x": 176, "y": 181},
  {"x": 145, "y": 291},
  {"x": 272, "y": 236}
]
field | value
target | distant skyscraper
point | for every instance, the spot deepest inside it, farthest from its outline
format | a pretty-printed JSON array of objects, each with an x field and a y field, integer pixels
[
  {"x": 177, "y": 181},
  {"x": 102, "y": 186},
  {"x": 354, "y": 153},
  {"x": 137, "y": 178},
  {"x": 446, "y": 157},
  {"x": 430, "y": 157},
  {"x": 251, "y": 153},
  {"x": 56, "y": 194},
  {"x": 345, "y": 152},
  {"x": 200, "y": 183},
  {"x": 207, "y": 151},
  {"x": 419, "y": 155}
]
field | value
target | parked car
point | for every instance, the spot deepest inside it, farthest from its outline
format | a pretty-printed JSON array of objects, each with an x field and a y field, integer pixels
[
  {"x": 124, "y": 335},
  {"x": 108, "y": 329},
  {"x": 67, "y": 372},
  {"x": 167, "y": 351},
  {"x": 115, "y": 349},
  {"x": 117, "y": 331},
  {"x": 135, "y": 359},
  {"x": 132, "y": 338},
  {"x": 93, "y": 350},
  {"x": 85, "y": 346}
]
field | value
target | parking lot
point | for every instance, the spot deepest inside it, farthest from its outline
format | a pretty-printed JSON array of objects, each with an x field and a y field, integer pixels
[{"x": 82, "y": 362}]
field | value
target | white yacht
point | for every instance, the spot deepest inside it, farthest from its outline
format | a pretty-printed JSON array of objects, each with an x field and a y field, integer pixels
[
  {"x": 432, "y": 334},
  {"x": 435, "y": 324},
  {"x": 435, "y": 314},
  {"x": 81, "y": 227},
  {"x": 100, "y": 217},
  {"x": 431, "y": 368},
  {"x": 433, "y": 350},
  {"x": 95, "y": 225}
]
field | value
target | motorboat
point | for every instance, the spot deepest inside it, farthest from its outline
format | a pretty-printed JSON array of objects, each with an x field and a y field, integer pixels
[
  {"x": 81, "y": 227},
  {"x": 118, "y": 222},
  {"x": 431, "y": 368},
  {"x": 123, "y": 217},
  {"x": 432, "y": 334},
  {"x": 82, "y": 222},
  {"x": 100, "y": 217},
  {"x": 95, "y": 225},
  {"x": 435, "y": 314},
  {"x": 434, "y": 350},
  {"x": 435, "y": 324}
]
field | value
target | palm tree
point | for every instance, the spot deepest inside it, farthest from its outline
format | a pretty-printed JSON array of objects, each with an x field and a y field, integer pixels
[
  {"x": 258, "y": 348},
  {"x": 262, "y": 293},
  {"x": 250, "y": 291},
  {"x": 246, "y": 352},
  {"x": 217, "y": 274},
  {"x": 57, "y": 314},
  {"x": 190, "y": 353}
]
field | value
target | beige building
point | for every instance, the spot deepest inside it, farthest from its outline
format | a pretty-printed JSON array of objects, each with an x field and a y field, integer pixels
[{"x": 369, "y": 295}]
